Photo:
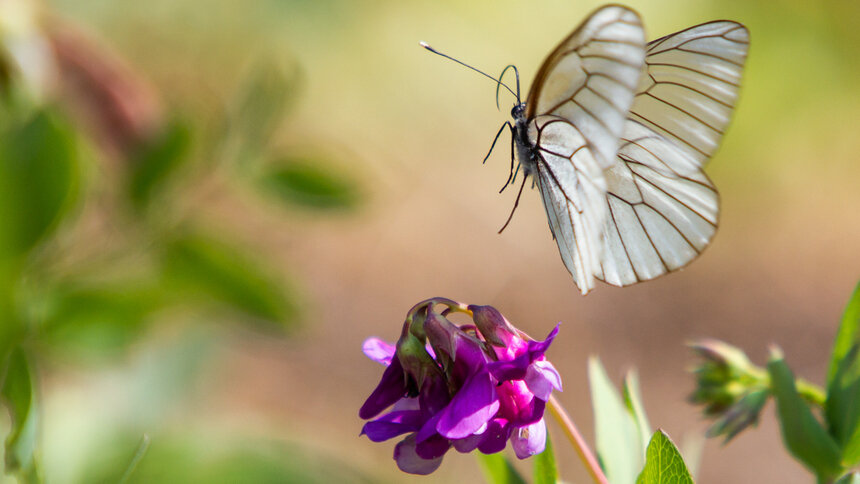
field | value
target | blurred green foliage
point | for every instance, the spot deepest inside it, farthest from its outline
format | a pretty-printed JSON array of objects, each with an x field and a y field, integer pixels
[
  {"x": 180, "y": 459},
  {"x": 72, "y": 291}
]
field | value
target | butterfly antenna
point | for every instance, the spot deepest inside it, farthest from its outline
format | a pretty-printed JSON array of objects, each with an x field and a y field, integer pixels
[
  {"x": 502, "y": 76},
  {"x": 498, "y": 81},
  {"x": 517, "y": 202}
]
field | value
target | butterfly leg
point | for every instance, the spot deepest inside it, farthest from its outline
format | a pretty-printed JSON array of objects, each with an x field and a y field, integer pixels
[
  {"x": 509, "y": 125},
  {"x": 513, "y": 173}
]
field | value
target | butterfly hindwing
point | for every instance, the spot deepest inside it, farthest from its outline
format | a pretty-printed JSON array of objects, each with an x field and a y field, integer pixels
[
  {"x": 663, "y": 210},
  {"x": 573, "y": 189}
]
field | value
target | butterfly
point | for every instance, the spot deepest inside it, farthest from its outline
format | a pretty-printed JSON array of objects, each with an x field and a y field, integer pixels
[{"x": 615, "y": 133}]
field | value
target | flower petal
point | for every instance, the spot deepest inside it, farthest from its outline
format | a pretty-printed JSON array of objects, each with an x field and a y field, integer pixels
[
  {"x": 514, "y": 369},
  {"x": 432, "y": 448},
  {"x": 378, "y": 350},
  {"x": 541, "y": 378},
  {"x": 471, "y": 407},
  {"x": 409, "y": 461},
  {"x": 538, "y": 348},
  {"x": 393, "y": 424},
  {"x": 468, "y": 444},
  {"x": 496, "y": 436},
  {"x": 530, "y": 440},
  {"x": 531, "y": 413},
  {"x": 391, "y": 388}
]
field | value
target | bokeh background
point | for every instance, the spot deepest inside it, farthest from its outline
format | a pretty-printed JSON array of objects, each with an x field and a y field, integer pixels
[{"x": 248, "y": 189}]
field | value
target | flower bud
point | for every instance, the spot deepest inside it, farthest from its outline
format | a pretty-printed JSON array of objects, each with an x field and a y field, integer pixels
[
  {"x": 732, "y": 390},
  {"x": 492, "y": 325},
  {"x": 415, "y": 360},
  {"x": 740, "y": 415}
]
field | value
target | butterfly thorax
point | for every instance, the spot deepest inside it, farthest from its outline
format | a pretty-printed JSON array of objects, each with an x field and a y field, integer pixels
[{"x": 526, "y": 150}]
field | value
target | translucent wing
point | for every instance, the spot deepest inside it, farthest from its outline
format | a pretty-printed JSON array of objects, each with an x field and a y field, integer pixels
[
  {"x": 589, "y": 80},
  {"x": 663, "y": 210},
  {"x": 576, "y": 111}
]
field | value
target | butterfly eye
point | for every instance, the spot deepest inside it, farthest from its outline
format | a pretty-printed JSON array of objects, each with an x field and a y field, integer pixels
[{"x": 518, "y": 110}]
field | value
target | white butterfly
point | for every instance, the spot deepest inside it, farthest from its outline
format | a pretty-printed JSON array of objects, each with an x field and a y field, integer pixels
[{"x": 615, "y": 133}]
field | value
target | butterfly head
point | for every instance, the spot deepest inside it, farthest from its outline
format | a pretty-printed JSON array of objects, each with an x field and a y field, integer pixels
[{"x": 519, "y": 111}]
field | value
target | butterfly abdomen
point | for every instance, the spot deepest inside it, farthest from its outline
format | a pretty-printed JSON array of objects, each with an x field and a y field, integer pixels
[{"x": 527, "y": 153}]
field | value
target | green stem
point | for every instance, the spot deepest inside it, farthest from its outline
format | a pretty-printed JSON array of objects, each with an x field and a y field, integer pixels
[
  {"x": 811, "y": 392},
  {"x": 572, "y": 433}
]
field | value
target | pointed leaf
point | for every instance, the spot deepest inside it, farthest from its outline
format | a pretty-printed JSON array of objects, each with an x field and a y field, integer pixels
[
  {"x": 545, "y": 468},
  {"x": 156, "y": 162},
  {"x": 206, "y": 267},
  {"x": 38, "y": 180},
  {"x": 19, "y": 397},
  {"x": 663, "y": 463},
  {"x": 852, "y": 478},
  {"x": 261, "y": 104},
  {"x": 618, "y": 444},
  {"x": 842, "y": 407},
  {"x": 97, "y": 319},
  {"x": 633, "y": 401},
  {"x": 803, "y": 435},
  {"x": 848, "y": 334},
  {"x": 307, "y": 183},
  {"x": 498, "y": 469}
]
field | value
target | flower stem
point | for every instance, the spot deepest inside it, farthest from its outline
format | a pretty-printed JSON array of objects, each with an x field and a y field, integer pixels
[
  {"x": 810, "y": 392},
  {"x": 578, "y": 442}
]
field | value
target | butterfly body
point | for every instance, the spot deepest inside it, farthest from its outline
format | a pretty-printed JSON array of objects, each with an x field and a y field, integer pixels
[{"x": 527, "y": 153}]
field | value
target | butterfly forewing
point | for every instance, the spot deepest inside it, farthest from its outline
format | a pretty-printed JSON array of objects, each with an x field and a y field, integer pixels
[
  {"x": 589, "y": 80},
  {"x": 663, "y": 210},
  {"x": 576, "y": 110}
]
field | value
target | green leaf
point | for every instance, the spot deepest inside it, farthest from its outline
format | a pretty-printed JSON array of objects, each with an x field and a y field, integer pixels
[
  {"x": 848, "y": 334},
  {"x": 38, "y": 180},
  {"x": 545, "y": 468},
  {"x": 618, "y": 444},
  {"x": 307, "y": 183},
  {"x": 852, "y": 478},
  {"x": 212, "y": 457},
  {"x": 18, "y": 394},
  {"x": 498, "y": 469},
  {"x": 842, "y": 407},
  {"x": 803, "y": 435},
  {"x": 663, "y": 463},
  {"x": 156, "y": 162},
  {"x": 135, "y": 460},
  {"x": 633, "y": 401},
  {"x": 266, "y": 97},
  {"x": 97, "y": 319},
  {"x": 207, "y": 268}
]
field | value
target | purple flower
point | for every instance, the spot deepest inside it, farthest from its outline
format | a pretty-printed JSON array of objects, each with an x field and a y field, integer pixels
[{"x": 468, "y": 387}]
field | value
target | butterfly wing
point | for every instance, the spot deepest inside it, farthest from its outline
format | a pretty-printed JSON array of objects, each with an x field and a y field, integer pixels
[
  {"x": 573, "y": 189},
  {"x": 576, "y": 110},
  {"x": 663, "y": 210},
  {"x": 590, "y": 79}
]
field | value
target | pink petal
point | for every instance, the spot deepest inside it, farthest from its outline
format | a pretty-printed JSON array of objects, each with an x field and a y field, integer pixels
[
  {"x": 378, "y": 350},
  {"x": 530, "y": 440}
]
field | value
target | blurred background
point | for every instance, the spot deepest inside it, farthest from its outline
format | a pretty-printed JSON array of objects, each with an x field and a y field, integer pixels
[{"x": 222, "y": 199}]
